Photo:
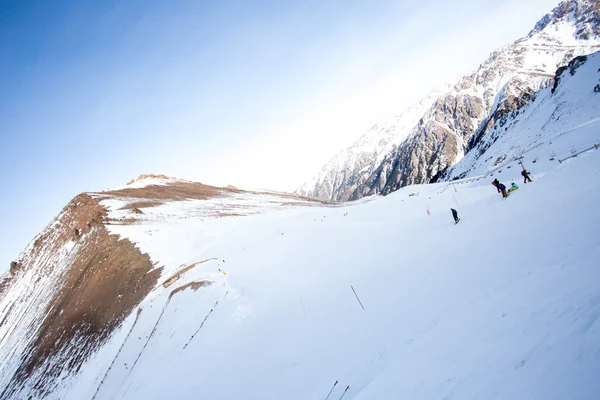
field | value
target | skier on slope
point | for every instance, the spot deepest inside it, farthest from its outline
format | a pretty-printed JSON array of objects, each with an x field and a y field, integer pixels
[
  {"x": 525, "y": 174},
  {"x": 455, "y": 215},
  {"x": 513, "y": 187},
  {"x": 496, "y": 183},
  {"x": 502, "y": 189}
]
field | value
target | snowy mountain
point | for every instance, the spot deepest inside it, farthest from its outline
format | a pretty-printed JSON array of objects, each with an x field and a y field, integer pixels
[
  {"x": 349, "y": 168},
  {"x": 173, "y": 289},
  {"x": 435, "y": 134},
  {"x": 77, "y": 282}
]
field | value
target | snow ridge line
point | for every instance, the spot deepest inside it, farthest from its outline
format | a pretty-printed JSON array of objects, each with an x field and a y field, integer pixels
[
  {"x": 118, "y": 353},
  {"x": 205, "y": 318}
]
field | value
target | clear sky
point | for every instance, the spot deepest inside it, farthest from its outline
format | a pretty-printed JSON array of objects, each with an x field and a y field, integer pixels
[{"x": 258, "y": 94}]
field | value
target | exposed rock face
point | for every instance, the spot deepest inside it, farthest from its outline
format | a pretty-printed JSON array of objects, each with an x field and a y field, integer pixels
[
  {"x": 584, "y": 13},
  {"x": 437, "y": 141},
  {"x": 14, "y": 267},
  {"x": 354, "y": 167},
  {"x": 80, "y": 288},
  {"x": 572, "y": 67},
  {"x": 446, "y": 125},
  {"x": 149, "y": 176}
]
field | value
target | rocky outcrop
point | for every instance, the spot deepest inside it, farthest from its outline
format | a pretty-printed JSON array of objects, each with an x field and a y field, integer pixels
[
  {"x": 150, "y": 176},
  {"x": 432, "y": 147},
  {"x": 585, "y": 14},
  {"x": 75, "y": 284},
  {"x": 572, "y": 67}
]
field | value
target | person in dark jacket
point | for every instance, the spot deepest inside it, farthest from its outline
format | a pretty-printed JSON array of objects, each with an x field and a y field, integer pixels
[
  {"x": 502, "y": 189},
  {"x": 526, "y": 177},
  {"x": 455, "y": 215},
  {"x": 496, "y": 183}
]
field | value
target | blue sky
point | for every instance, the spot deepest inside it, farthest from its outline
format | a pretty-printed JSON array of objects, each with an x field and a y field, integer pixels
[{"x": 259, "y": 94}]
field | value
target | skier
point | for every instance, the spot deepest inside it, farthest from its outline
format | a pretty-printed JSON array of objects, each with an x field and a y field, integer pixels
[
  {"x": 525, "y": 174},
  {"x": 455, "y": 215},
  {"x": 513, "y": 187},
  {"x": 502, "y": 189},
  {"x": 496, "y": 183}
]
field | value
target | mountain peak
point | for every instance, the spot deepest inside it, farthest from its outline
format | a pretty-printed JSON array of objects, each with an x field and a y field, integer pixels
[
  {"x": 147, "y": 178},
  {"x": 583, "y": 14}
]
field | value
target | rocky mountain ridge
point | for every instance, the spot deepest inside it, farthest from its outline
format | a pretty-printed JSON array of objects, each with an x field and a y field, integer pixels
[{"x": 447, "y": 126}]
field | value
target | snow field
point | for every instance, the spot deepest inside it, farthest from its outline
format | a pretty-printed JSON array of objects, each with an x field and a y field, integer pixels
[{"x": 504, "y": 305}]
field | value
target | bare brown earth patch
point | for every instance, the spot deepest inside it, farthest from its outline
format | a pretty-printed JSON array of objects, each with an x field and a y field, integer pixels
[
  {"x": 154, "y": 195},
  {"x": 175, "y": 277},
  {"x": 175, "y": 191},
  {"x": 136, "y": 206},
  {"x": 107, "y": 279},
  {"x": 193, "y": 285}
]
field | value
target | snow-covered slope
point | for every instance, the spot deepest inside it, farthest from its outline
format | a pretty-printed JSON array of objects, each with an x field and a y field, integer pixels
[
  {"x": 504, "y": 305},
  {"x": 232, "y": 294},
  {"x": 76, "y": 282},
  {"x": 173, "y": 289},
  {"x": 267, "y": 297},
  {"x": 443, "y": 128}
]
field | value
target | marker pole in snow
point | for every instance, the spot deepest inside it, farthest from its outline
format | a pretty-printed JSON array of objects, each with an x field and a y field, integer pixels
[
  {"x": 336, "y": 382},
  {"x": 303, "y": 309},
  {"x": 347, "y": 387},
  {"x": 359, "y": 302},
  {"x": 427, "y": 209},
  {"x": 455, "y": 201}
]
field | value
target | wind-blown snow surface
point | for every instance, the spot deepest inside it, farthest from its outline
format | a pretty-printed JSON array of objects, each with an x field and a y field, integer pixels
[{"x": 504, "y": 305}]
